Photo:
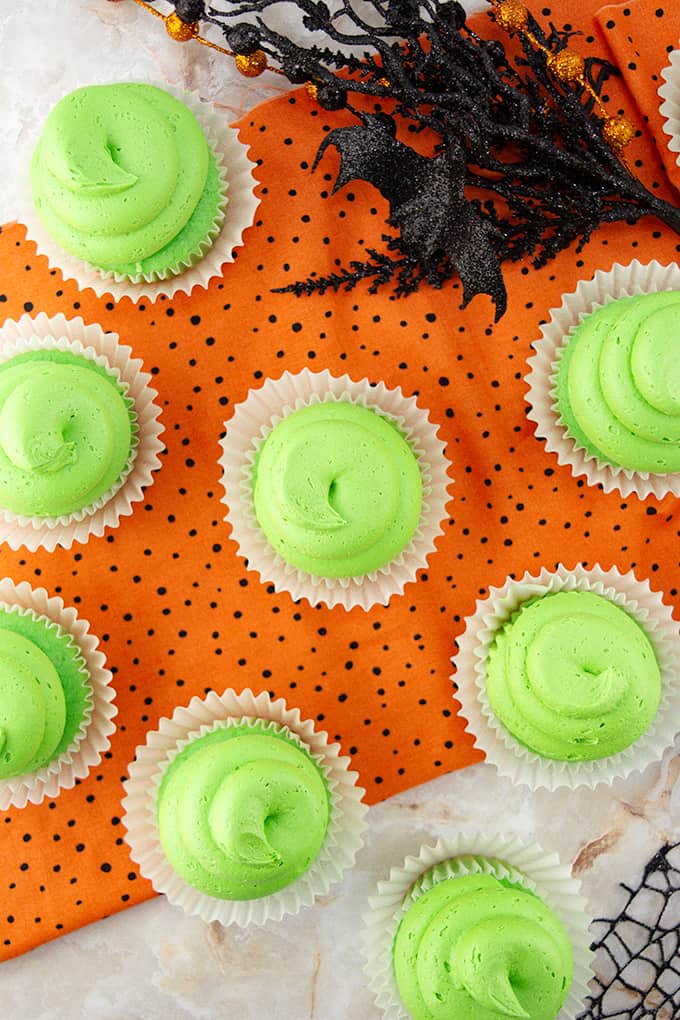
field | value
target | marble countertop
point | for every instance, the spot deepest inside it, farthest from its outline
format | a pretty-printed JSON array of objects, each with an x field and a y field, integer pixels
[{"x": 152, "y": 962}]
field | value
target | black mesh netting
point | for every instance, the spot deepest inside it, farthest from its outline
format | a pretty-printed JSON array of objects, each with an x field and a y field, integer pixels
[{"x": 638, "y": 958}]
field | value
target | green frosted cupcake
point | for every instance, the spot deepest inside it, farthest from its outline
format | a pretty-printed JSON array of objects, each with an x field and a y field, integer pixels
[
  {"x": 337, "y": 490},
  {"x": 573, "y": 677},
  {"x": 618, "y": 383},
  {"x": 45, "y": 693},
  {"x": 479, "y": 926},
  {"x": 124, "y": 179},
  {"x": 56, "y": 698},
  {"x": 478, "y": 947},
  {"x": 242, "y": 812},
  {"x": 568, "y": 678},
  {"x": 68, "y": 432}
]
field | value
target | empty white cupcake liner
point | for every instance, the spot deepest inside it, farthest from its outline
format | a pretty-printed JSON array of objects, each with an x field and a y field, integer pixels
[
  {"x": 250, "y": 425},
  {"x": 509, "y": 756},
  {"x": 669, "y": 92},
  {"x": 92, "y": 738},
  {"x": 505, "y": 857},
  {"x": 604, "y": 287},
  {"x": 89, "y": 341},
  {"x": 236, "y": 213},
  {"x": 344, "y": 836}
]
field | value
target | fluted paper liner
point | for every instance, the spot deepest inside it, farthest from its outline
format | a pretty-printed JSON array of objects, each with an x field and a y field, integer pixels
[
  {"x": 509, "y": 756},
  {"x": 670, "y": 107},
  {"x": 249, "y": 426},
  {"x": 89, "y": 341},
  {"x": 604, "y": 287},
  {"x": 92, "y": 738},
  {"x": 236, "y": 213},
  {"x": 344, "y": 836},
  {"x": 503, "y": 856}
]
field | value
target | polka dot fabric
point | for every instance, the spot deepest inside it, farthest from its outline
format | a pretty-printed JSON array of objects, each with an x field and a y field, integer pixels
[{"x": 176, "y": 609}]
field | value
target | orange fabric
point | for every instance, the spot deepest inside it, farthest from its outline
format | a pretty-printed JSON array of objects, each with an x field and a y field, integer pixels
[
  {"x": 178, "y": 612},
  {"x": 640, "y": 37}
]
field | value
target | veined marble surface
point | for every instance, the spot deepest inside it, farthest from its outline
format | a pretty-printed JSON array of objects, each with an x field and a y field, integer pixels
[{"x": 152, "y": 962}]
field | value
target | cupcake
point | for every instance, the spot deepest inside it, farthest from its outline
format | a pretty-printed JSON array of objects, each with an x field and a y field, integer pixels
[
  {"x": 239, "y": 811},
  {"x": 124, "y": 179},
  {"x": 573, "y": 677},
  {"x": 66, "y": 433},
  {"x": 336, "y": 489},
  {"x": 128, "y": 190},
  {"x": 618, "y": 383},
  {"x": 604, "y": 387},
  {"x": 55, "y": 699},
  {"x": 242, "y": 812},
  {"x": 570, "y": 678},
  {"x": 78, "y": 431},
  {"x": 459, "y": 932}
]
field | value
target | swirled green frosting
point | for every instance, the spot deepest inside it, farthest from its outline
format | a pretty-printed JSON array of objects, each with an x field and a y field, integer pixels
[
  {"x": 573, "y": 677},
  {"x": 65, "y": 433},
  {"x": 43, "y": 689},
  {"x": 618, "y": 384},
  {"x": 338, "y": 490},
  {"x": 477, "y": 948},
  {"x": 242, "y": 812},
  {"x": 123, "y": 177}
]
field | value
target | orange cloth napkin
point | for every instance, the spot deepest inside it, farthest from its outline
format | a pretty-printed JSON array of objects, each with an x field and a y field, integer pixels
[{"x": 176, "y": 609}]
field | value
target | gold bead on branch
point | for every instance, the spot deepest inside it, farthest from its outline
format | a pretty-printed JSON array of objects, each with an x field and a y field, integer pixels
[
  {"x": 312, "y": 89},
  {"x": 567, "y": 65},
  {"x": 618, "y": 131},
  {"x": 180, "y": 31},
  {"x": 385, "y": 82},
  {"x": 511, "y": 15},
  {"x": 251, "y": 64}
]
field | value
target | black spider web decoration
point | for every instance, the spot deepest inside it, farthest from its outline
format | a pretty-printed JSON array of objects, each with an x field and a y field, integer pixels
[{"x": 639, "y": 951}]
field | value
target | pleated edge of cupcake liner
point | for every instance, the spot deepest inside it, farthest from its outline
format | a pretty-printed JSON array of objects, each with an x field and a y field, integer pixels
[
  {"x": 237, "y": 208},
  {"x": 252, "y": 421},
  {"x": 527, "y": 863},
  {"x": 507, "y": 755},
  {"x": 91, "y": 341},
  {"x": 347, "y": 822},
  {"x": 93, "y": 737},
  {"x": 602, "y": 288},
  {"x": 669, "y": 92}
]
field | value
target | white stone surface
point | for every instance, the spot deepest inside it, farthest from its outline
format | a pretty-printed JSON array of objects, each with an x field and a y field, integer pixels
[{"x": 151, "y": 962}]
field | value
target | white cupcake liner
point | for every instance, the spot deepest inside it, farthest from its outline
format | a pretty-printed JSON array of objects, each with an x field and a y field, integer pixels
[
  {"x": 511, "y": 758},
  {"x": 670, "y": 107},
  {"x": 506, "y": 858},
  {"x": 92, "y": 738},
  {"x": 347, "y": 812},
  {"x": 252, "y": 422},
  {"x": 90, "y": 341},
  {"x": 604, "y": 287},
  {"x": 236, "y": 214}
]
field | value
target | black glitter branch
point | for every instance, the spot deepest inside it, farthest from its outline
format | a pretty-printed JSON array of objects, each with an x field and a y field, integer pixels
[{"x": 519, "y": 169}]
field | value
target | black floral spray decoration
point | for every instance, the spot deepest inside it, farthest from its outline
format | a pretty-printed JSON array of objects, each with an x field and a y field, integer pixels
[{"x": 526, "y": 159}]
